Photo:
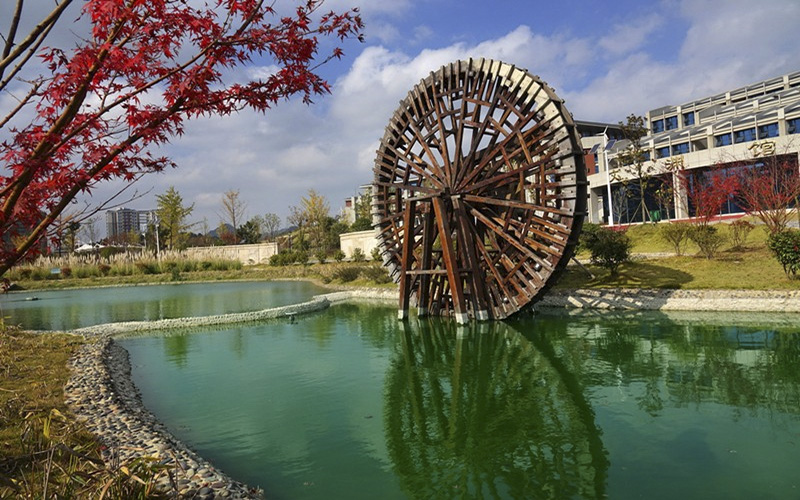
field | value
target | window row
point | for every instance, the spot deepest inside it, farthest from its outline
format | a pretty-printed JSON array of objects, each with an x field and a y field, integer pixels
[{"x": 671, "y": 122}]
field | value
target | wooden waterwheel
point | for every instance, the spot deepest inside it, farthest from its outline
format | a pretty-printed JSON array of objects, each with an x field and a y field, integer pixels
[{"x": 479, "y": 191}]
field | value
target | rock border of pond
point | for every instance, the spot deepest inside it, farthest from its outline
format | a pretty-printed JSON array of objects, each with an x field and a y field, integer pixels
[{"x": 102, "y": 395}]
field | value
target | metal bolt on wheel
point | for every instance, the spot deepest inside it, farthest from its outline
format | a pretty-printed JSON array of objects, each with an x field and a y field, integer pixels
[{"x": 479, "y": 191}]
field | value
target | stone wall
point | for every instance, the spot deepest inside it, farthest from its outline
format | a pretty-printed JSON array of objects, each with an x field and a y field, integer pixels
[
  {"x": 365, "y": 240},
  {"x": 248, "y": 255}
]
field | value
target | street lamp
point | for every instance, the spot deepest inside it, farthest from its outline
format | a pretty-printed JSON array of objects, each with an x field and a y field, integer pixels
[
  {"x": 155, "y": 221},
  {"x": 608, "y": 178}
]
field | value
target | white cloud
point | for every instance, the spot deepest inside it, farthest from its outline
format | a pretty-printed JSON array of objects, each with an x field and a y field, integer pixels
[
  {"x": 273, "y": 159},
  {"x": 629, "y": 36}
]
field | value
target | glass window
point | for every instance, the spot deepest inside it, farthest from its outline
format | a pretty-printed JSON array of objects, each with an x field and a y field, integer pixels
[
  {"x": 671, "y": 122},
  {"x": 746, "y": 135},
  {"x": 680, "y": 149},
  {"x": 765, "y": 131},
  {"x": 646, "y": 155},
  {"x": 722, "y": 140},
  {"x": 662, "y": 152},
  {"x": 793, "y": 126},
  {"x": 688, "y": 118},
  {"x": 658, "y": 126}
]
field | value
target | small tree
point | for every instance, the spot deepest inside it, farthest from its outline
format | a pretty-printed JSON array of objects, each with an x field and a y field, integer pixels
[
  {"x": 676, "y": 234},
  {"x": 363, "y": 210},
  {"x": 708, "y": 240},
  {"x": 172, "y": 215},
  {"x": 249, "y": 232},
  {"x": 708, "y": 191},
  {"x": 635, "y": 168},
  {"x": 271, "y": 225},
  {"x": 233, "y": 209},
  {"x": 609, "y": 248},
  {"x": 768, "y": 190}
]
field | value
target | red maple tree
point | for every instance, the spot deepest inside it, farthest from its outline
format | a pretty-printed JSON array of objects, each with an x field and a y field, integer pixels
[
  {"x": 98, "y": 111},
  {"x": 768, "y": 190},
  {"x": 708, "y": 191}
]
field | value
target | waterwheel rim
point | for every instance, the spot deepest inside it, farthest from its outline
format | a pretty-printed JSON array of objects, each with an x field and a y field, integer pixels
[{"x": 479, "y": 191}]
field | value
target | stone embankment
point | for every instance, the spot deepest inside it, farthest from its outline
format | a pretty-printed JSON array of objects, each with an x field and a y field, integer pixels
[
  {"x": 103, "y": 396},
  {"x": 676, "y": 300}
]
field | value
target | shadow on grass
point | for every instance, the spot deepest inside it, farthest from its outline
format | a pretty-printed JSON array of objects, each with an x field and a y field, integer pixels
[{"x": 630, "y": 275}]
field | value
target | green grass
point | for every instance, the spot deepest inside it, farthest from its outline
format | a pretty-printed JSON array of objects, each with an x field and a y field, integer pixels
[
  {"x": 750, "y": 268},
  {"x": 646, "y": 239}
]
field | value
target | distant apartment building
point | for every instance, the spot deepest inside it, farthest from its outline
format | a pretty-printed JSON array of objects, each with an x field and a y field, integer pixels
[
  {"x": 348, "y": 212},
  {"x": 121, "y": 221},
  {"x": 741, "y": 128}
]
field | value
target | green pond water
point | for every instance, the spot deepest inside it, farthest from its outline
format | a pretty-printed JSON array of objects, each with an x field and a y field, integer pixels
[
  {"x": 350, "y": 403},
  {"x": 68, "y": 309}
]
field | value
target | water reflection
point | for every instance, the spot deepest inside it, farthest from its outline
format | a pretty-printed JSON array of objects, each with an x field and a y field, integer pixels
[
  {"x": 68, "y": 309},
  {"x": 488, "y": 414},
  {"x": 683, "y": 357},
  {"x": 351, "y": 403}
]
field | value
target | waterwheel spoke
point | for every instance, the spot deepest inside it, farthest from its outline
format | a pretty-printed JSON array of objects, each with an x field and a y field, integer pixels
[{"x": 479, "y": 184}]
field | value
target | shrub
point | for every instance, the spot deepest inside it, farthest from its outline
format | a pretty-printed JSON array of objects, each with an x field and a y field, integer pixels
[
  {"x": 676, "y": 234},
  {"x": 104, "y": 269},
  {"x": 338, "y": 256},
  {"x": 358, "y": 255},
  {"x": 587, "y": 233},
  {"x": 282, "y": 258},
  {"x": 345, "y": 274},
  {"x": 107, "y": 252},
  {"x": 25, "y": 273},
  {"x": 376, "y": 274},
  {"x": 376, "y": 254},
  {"x": 66, "y": 272},
  {"x": 321, "y": 255},
  {"x": 609, "y": 248},
  {"x": 739, "y": 229},
  {"x": 785, "y": 245},
  {"x": 145, "y": 267},
  {"x": 707, "y": 239},
  {"x": 301, "y": 257}
]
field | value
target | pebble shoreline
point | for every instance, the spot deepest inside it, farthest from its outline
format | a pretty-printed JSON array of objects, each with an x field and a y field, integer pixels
[{"x": 102, "y": 395}]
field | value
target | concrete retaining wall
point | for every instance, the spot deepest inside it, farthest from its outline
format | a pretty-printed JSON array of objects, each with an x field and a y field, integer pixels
[
  {"x": 365, "y": 240},
  {"x": 248, "y": 255}
]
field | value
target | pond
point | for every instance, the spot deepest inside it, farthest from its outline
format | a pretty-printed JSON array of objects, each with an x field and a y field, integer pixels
[
  {"x": 351, "y": 403},
  {"x": 69, "y": 309}
]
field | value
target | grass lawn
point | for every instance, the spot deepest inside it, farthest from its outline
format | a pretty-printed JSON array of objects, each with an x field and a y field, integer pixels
[{"x": 752, "y": 267}]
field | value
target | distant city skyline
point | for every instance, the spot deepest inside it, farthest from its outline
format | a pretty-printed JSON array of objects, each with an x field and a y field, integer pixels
[{"x": 607, "y": 60}]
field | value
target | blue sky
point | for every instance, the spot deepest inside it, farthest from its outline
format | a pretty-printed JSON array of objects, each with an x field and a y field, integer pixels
[{"x": 606, "y": 59}]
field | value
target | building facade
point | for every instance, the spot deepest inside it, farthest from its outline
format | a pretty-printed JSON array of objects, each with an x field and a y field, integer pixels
[
  {"x": 122, "y": 221},
  {"x": 745, "y": 128}
]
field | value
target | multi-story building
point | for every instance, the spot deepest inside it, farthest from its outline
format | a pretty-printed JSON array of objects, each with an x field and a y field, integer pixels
[
  {"x": 348, "y": 212},
  {"x": 743, "y": 128},
  {"x": 121, "y": 221}
]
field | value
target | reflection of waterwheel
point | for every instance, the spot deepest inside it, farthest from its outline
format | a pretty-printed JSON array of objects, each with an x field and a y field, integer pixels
[{"x": 479, "y": 191}]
